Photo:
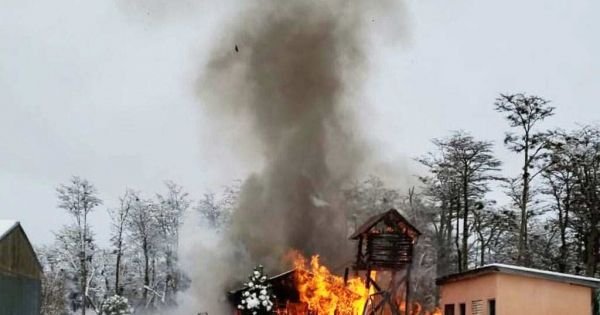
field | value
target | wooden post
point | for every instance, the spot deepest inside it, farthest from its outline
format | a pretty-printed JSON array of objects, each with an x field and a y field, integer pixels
[
  {"x": 385, "y": 243},
  {"x": 407, "y": 297},
  {"x": 359, "y": 253},
  {"x": 346, "y": 275}
]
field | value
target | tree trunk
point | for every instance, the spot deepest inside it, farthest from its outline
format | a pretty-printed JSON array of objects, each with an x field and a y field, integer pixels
[
  {"x": 482, "y": 254},
  {"x": 169, "y": 277},
  {"x": 83, "y": 255},
  {"x": 523, "y": 241},
  {"x": 465, "y": 235},
  {"x": 592, "y": 244},
  {"x": 146, "y": 269},
  {"x": 444, "y": 239},
  {"x": 564, "y": 222},
  {"x": 118, "y": 267},
  {"x": 449, "y": 227},
  {"x": 83, "y": 285},
  {"x": 562, "y": 206},
  {"x": 482, "y": 242},
  {"x": 456, "y": 236},
  {"x": 591, "y": 251}
]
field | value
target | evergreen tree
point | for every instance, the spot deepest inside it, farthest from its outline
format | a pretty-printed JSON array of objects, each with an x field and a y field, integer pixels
[
  {"x": 257, "y": 295},
  {"x": 116, "y": 305}
]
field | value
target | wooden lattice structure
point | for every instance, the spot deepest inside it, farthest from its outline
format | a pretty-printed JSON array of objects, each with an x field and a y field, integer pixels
[{"x": 385, "y": 245}]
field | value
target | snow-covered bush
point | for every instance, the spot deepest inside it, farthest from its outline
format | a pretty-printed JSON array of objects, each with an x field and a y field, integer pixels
[
  {"x": 116, "y": 305},
  {"x": 257, "y": 294}
]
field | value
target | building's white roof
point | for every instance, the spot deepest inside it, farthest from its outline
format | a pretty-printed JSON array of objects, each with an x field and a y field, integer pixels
[
  {"x": 543, "y": 272},
  {"x": 7, "y": 226},
  {"x": 522, "y": 271}
]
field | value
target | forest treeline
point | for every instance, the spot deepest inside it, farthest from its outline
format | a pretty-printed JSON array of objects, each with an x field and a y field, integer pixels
[{"x": 550, "y": 221}]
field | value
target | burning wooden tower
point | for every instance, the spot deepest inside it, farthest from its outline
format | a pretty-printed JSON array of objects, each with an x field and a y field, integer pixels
[{"x": 385, "y": 245}]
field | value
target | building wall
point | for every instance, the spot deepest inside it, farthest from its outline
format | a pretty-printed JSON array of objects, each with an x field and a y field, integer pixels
[
  {"x": 16, "y": 255},
  {"x": 19, "y": 295},
  {"x": 20, "y": 276},
  {"x": 466, "y": 291},
  {"x": 517, "y": 295},
  {"x": 525, "y": 295}
]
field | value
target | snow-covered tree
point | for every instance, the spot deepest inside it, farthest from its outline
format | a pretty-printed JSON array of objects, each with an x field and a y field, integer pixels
[
  {"x": 169, "y": 213},
  {"x": 116, "y": 305},
  {"x": 257, "y": 296},
  {"x": 216, "y": 209},
  {"x": 54, "y": 290},
  {"x": 119, "y": 218},
  {"x": 79, "y": 198},
  {"x": 144, "y": 236},
  {"x": 524, "y": 112},
  {"x": 367, "y": 198},
  {"x": 101, "y": 276},
  {"x": 468, "y": 166},
  {"x": 65, "y": 257}
]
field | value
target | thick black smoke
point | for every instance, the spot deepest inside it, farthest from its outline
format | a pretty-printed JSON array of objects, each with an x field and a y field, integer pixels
[
  {"x": 287, "y": 68},
  {"x": 290, "y": 68}
]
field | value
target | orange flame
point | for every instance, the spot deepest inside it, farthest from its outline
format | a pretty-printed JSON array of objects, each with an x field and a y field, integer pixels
[
  {"x": 325, "y": 293},
  {"x": 417, "y": 309},
  {"x": 437, "y": 311}
]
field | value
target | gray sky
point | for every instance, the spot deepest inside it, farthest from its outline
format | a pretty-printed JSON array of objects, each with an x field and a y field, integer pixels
[{"x": 105, "y": 90}]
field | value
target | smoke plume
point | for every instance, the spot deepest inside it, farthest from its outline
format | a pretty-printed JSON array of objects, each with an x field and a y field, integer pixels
[{"x": 291, "y": 69}]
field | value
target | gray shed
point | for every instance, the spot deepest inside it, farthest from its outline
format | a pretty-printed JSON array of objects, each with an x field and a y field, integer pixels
[{"x": 20, "y": 272}]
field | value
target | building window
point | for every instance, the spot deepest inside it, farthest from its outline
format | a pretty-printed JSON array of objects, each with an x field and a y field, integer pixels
[
  {"x": 463, "y": 309},
  {"x": 492, "y": 307},
  {"x": 449, "y": 309},
  {"x": 477, "y": 307}
]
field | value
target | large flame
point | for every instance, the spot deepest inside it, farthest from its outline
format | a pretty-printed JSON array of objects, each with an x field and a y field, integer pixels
[{"x": 327, "y": 294}]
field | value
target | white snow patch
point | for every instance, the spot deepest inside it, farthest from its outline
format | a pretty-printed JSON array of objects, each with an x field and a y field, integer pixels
[
  {"x": 318, "y": 202},
  {"x": 544, "y": 272}
]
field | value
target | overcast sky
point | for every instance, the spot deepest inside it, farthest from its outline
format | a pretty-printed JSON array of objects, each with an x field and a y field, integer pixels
[{"x": 105, "y": 90}]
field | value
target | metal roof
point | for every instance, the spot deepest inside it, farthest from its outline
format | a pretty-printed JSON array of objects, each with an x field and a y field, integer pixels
[{"x": 521, "y": 271}]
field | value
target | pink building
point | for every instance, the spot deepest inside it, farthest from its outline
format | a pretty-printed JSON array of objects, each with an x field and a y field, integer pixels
[{"x": 499, "y": 289}]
